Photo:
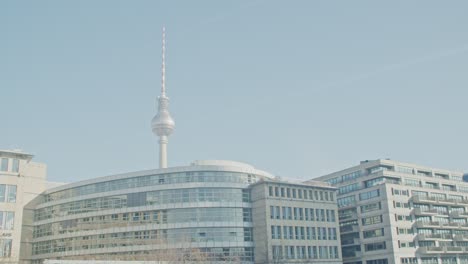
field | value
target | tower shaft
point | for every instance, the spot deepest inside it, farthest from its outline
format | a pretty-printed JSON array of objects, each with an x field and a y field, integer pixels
[{"x": 163, "y": 152}]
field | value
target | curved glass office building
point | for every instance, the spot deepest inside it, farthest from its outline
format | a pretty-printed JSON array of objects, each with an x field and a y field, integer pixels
[{"x": 200, "y": 212}]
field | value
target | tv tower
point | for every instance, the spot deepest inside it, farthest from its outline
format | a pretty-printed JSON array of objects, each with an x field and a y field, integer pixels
[{"x": 162, "y": 124}]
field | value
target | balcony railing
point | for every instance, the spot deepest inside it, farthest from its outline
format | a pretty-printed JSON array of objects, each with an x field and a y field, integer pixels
[
  {"x": 435, "y": 237},
  {"x": 420, "y": 211},
  {"x": 460, "y": 237},
  {"x": 421, "y": 224},
  {"x": 458, "y": 214}
]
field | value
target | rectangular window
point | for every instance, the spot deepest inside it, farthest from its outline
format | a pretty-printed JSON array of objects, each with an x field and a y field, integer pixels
[
  {"x": 370, "y": 207},
  {"x": 349, "y": 188},
  {"x": 5, "y": 247},
  {"x": 369, "y": 195},
  {"x": 9, "y": 220},
  {"x": 2, "y": 193},
  {"x": 11, "y": 196},
  {"x": 277, "y": 252},
  {"x": 4, "y": 164},
  {"x": 346, "y": 201},
  {"x": 270, "y": 190},
  {"x": 375, "y": 246},
  {"x": 15, "y": 165},
  {"x": 380, "y": 261},
  {"x": 372, "y": 220},
  {"x": 373, "y": 233}
]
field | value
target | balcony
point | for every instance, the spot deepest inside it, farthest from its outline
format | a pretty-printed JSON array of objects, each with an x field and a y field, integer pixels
[
  {"x": 453, "y": 249},
  {"x": 420, "y": 224},
  {"x": 431, "y": 250},
  {"x": 434, "y": 237},
  {"x": 440, "y": 249},
  {"x": 435, "y": 200},
  {"x": 419, "y": 211},
  {"x": 460, "y": 237},
  {"x": 451, "y": 225},
  {"x": 458, "y": 214}
]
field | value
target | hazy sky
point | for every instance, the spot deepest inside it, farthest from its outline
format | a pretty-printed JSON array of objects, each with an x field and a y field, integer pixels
[{"x": 296, "y": 88}]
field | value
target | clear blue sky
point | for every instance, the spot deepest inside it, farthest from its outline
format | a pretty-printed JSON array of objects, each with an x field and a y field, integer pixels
[{"x": 297, "y": 88}]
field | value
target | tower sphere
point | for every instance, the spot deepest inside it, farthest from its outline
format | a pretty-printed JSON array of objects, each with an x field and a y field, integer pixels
[{"x": 162, "y": 123}]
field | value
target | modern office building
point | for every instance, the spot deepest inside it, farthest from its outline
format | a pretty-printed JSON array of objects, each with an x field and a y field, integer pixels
[
  {"x": 398, "y": 213},
  {"x": 20, "y": 181},
  {"x": 210, "y": 211},
  {"x": 295, "y": 223}
]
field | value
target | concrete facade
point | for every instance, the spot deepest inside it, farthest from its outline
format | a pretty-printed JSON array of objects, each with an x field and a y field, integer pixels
[
  {"x": 295, "y": 223},
  {"x": 399, "y": 213},
  {"x": 21, "y": 180}
]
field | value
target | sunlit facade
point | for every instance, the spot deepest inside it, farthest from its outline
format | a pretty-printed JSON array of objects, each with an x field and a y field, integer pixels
[
  {"x": 21, "y": 180},
  {"x": 400, "y": 213},
  {"x": 199, "y": 212}
]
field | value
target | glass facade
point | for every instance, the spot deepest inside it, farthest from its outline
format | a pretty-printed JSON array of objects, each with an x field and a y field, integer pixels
[{"x": 189, "y": 215}]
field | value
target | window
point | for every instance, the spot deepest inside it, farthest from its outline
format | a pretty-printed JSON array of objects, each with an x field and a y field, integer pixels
[
  {"x": 15, "y": 165},
  {"x": 407, "y": 244},
  {"x": 369, "y": 195},
  {"x": 406, "y": 170},
  {"x": 290, "y": 252},
  {"x": 7, "y": 220},
  {"x": 5, "y": 247},
  {"x": 372, "y": 220},
  {"x": 409, "y": 260},
  {"x": 375, "y": 246},
  {"x": 146, "y": 216},
  {"x": 11, "y": 196},
  {"x": 378, "y": 261},
  {"x": 4, "y": 164},
  {"x": 349, "y": 188},
  {"x": 412, "y": 182},
  {"x": 346, "y": 201},
  {"x": 350, "y": 176},
  {"x": 270, "y": 190},
  {"x": 278, "y": 252},
  {"x": 370, "y": 207},
  {"x": 331, "y": 233},
  {"x": 373, "y": 233}
]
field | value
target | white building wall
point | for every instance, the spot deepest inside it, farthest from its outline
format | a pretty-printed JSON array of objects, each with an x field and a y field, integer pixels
[{"x": 30, "y": 181}]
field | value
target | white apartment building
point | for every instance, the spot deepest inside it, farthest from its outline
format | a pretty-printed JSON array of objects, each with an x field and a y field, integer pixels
[
  {"x": 21, "y": 180},
  {"x": 399, "y": 213}
]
